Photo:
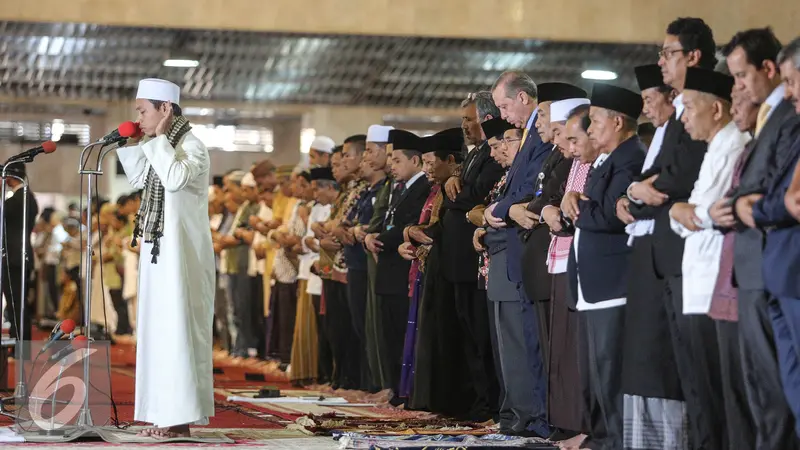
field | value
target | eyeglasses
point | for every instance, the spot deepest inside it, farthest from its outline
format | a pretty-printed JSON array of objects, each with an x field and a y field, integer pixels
[
  {"x": 511, "y": 140},
  {"x": 667, "y": 53}
]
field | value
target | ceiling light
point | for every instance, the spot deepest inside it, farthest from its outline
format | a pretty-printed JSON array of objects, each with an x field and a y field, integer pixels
[
  {"x": 603, "y": 75},
  {"x": 188, "y": 63}
]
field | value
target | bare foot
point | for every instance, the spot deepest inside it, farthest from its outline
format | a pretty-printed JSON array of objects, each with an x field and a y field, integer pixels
[
  {"x": 572, "y": 443},
  {"x": 171, "y": 432}
]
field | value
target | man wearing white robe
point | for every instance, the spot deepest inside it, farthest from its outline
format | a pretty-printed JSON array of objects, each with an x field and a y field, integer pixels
[
  {"x": 707, "y": 102},
  {"x": 174, "y": 384}
]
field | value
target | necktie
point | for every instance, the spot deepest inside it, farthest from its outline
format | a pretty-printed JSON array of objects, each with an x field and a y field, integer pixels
[
  {"x": 524, "y": 136},
  {"x": 761, "y": 119}
]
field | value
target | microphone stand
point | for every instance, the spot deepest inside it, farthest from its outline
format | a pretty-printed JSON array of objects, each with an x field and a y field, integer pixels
[
  {"x": 84, "y": 426},
  {"x": 20, "y": 391}
]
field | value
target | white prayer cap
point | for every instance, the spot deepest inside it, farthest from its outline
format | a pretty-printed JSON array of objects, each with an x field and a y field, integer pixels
[
  {"x": 160, "y": 90},
  {"x": 248, "y": 180},
  {"x": 560, "y": 110},
  {"x": 323, "y": 144},
  {"x": 378, "y": 133}
]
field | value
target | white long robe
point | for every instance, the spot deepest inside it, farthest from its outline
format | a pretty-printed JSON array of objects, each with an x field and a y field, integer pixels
[
  {"x": 174, "y": 372},
  {"x": 703, "y": 249}
]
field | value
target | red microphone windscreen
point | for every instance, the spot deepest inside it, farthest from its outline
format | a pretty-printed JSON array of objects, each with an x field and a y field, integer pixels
[
  {"x": 68, "y": 326},
  {"x": 128, "y": 129},
  {"x": 80, "y": 341},
  {"x": 49, "y": 146}
]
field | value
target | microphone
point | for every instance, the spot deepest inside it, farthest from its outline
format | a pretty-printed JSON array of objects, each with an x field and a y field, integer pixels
[
  {"x": 65, "y": 327},
  {"x": 124, "y": 131},
  {"x": 77, "y": 343},
  {"x": 46, "y": 147}
]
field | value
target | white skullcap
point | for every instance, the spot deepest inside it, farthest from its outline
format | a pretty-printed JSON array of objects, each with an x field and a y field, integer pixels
[
  {"x": 323, "y": 144},
  {"x": 560, "y": 110},
  {"x": 160, "y": 90},
  {"x": 248, "y": 180},
  {"x": 378, "y": 133}
]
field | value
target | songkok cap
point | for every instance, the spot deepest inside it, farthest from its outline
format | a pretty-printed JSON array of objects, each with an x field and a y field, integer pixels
[
  {"x": 378, "y": 133},
  {"x": 710, "y": 82},
  {"x": 617, "y": 99},
  {"x": 559, "y": 111},
  {"x": 284, "y": 171},
  {"x": 553, "y": 92},
  {"x": 649, "y": 76},
  {"x": 405, "y": 140},
  {"x": 495, "y": 127},
  {"x": 322, "y": 173},
  {"x": 323, "y": 144},
  {"x": 248, "y": 180},
  {"x": 160, "y": 90},
  {"x": 450, "y": 140}
]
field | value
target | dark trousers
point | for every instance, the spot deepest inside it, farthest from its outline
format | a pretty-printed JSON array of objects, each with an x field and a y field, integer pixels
[
  {"x": 694, "y": 342},
  {"x": 785, "y": 315},
  {"x": 53, "y": 286},
  {"x": 339, "y": 326},
  {"x": 739, "y": 423},
  {"x": 12, "y": 290},
  {"x": 283, "y": 309},
  {"x": 394, "y": 316},
  {"x": 603, "y": 334},
  {"x": 503, "y": 417},
  {"x": 523, "y": 406},
  {"x": 357, "y": 303},
  {"x": 258, "y": 322},
  {"x": 121, "y": 307},
  {"x": 775, "y": 425},
  {"x": 325, "y": 359},
  {"x": 221, "y": 313},
  {"x": 476, "y": 346}
]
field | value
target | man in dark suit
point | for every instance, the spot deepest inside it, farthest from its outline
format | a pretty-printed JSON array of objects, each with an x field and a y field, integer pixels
[
  {"x": 12, "y": 260},
  {"x": 391, "y": 284},
  {"x": 458, "y": 277},
  {"x": 515, "y": 94},
  {"x": 751, "y": 56},
  {"x": 752, "y": 59},
  {"x": 598, "y": 261},
  {"x": 689, "y": 42}
]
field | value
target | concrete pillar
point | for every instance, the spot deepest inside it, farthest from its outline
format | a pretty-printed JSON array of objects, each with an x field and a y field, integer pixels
[{"x": 340, "y": 122}]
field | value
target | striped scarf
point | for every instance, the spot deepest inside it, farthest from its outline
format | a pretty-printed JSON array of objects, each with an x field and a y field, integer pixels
[{"x": 149, "y": 222}]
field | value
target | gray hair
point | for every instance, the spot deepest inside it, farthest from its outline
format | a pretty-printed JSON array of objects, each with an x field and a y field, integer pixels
[
  {"x": 485, "y": 105},
  {"x": 791, "y": 52},
  {"x": 516, "y": 81},
  {"x": 722, "y": 67}
]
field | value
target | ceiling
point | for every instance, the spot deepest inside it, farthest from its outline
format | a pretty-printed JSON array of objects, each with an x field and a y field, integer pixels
[{"x": 84, "y": 61}]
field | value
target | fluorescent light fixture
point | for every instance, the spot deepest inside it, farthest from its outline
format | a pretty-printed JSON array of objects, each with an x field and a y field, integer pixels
[
  {"x": 603, "y": 75},
  {"x": 188, "y": 63}
]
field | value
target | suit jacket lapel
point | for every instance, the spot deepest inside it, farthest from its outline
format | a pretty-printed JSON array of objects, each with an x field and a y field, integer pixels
[{"x": 472, "y": 159}]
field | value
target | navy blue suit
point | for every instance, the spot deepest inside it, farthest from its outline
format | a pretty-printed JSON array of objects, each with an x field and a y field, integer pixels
[
  {"x": 520, "y": 184},
  {"x": 780, "y": 267},
  {"x": 603, "y": 243}
]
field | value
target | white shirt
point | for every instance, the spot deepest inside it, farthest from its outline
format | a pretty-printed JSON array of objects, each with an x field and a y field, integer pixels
[
  {"x": 255, "y": 265},
  {"x": 645, "y": 227},
  {"x": 319, "y": 213},
  {"x": 57, "y": 237},
  {"x": 416, "y": 177},
  {"x": 703, "y": 249},
  {"x": 775, "y": 98},
  {"x": 583, "y": 305}
]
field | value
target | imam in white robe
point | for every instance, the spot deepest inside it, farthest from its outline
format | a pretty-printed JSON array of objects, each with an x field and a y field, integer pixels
[
  {"x": 703, "y": 249},
  {"x": 174, "y": 372}
]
